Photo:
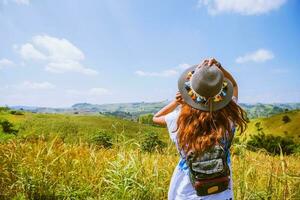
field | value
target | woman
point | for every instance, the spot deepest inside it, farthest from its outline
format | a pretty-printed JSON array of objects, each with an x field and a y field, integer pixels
[{"x": 201, "y": 122}]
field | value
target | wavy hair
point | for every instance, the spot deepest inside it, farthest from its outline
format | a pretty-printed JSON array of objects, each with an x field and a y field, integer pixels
[{"x": 199, "y": 130}]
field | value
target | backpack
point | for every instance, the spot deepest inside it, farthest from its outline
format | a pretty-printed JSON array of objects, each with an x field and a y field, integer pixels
[{"x": 209, "y": 172}]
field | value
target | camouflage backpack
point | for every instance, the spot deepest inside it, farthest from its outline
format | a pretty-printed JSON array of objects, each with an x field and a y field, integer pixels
[{"x": 209, "y": 172}]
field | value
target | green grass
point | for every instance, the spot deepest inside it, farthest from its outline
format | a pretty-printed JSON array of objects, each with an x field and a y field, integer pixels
[{"x": 72, "y": 128}]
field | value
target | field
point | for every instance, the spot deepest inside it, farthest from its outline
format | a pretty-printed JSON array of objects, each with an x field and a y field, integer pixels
[{"x": 54, "y": 157}]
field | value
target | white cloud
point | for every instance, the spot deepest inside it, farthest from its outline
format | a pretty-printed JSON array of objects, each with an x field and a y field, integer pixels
[
  {"x": 60, "y": 54},
  {"x": 93, "y": 92},
  {"x": 58, "y": 49},
  {"x": 244, "y": 7},
  {"x": 36, "y": 85},
  {"x": 165, "y": 73},
  {"x": 6, "y": 63},
  {"x": 29, "y": 52},
  {"x": 69, "y": 66},
  {"x": 184, "y": 66},
  {"x": 261, "y": 55}
]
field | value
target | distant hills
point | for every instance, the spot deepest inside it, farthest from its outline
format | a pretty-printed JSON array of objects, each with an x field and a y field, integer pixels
[
  {"x": 267, "y": 110},
  {"x": 133, "y": 110}
]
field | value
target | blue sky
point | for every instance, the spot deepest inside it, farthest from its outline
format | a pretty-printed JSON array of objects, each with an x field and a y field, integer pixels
[{"x": 57, "y": 53}]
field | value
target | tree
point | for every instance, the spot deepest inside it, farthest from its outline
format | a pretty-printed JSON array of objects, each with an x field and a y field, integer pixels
[{"x": 286, "y": 119}]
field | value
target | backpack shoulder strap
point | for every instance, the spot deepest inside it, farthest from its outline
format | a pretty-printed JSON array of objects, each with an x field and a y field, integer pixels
[{"x": 229, "y": 138}]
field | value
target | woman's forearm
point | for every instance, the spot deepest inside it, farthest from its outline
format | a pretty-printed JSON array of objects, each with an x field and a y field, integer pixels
[
  {"x": 167, "y": 109},
  {"x": 229, "y": 76},
  {"x": 234, "y": 83},
  {"x": 159, "y": 117}
]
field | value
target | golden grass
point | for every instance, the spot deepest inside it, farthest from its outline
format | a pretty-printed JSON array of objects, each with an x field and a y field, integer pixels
[{"x": 39, "y": 169}]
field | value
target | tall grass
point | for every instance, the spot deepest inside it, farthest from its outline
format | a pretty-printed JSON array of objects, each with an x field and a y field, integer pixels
[
  {"x": 40, "y": 169},
  {"x": 262, "y": 176}
]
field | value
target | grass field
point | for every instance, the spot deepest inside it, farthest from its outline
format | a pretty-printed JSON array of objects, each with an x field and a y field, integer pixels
[
  {"x": 52, "y": 158},
  {"x": 73, "y": 128}
]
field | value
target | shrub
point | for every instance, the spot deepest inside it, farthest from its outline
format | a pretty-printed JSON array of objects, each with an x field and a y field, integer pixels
[
  {"x": 152, "y": 143},
  {"x": 8, "y": 127},
  {"x": 4, "y": 108},
  {"x": 296, "y": 150},
  {"x": 103, "y": 139},
  {"x": 236, "y": 140},
  {"x": 146, "y": 119},
  {"x": 286, "y": 119},
  {"x": 258, "y": 126},
  {"x": 271, "y": 143},
  {"x": 16, "y": 112}
]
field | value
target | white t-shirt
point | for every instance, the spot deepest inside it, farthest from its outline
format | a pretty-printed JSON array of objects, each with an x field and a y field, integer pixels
[{"x": 180, "y": 185}]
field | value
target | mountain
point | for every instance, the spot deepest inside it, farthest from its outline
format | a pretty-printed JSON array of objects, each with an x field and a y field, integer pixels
[
  {"x": 139, "y": 107},
  {"x": 266, "y": 110},
  {"x": 133, "y": 110}
]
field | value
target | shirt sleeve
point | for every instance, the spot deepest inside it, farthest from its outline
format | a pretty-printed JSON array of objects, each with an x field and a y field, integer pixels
[{"x": 171, "y": 121}]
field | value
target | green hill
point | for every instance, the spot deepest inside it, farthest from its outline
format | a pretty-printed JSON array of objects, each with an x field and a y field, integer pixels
[
  {"x": 276, "y": 126},
  {"x": 75, "y": 127},
  {"x": 72, "y": 128}
]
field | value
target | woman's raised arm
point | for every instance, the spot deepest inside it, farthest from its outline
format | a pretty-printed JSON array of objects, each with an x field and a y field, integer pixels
[
  {"x": 159, "y": 117},
  {"x": 230, "y": 77},
  {"x": 227, "y": 75}
]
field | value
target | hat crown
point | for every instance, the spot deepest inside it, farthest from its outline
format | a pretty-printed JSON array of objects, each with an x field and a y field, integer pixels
[{"x": 207, "y": 81}]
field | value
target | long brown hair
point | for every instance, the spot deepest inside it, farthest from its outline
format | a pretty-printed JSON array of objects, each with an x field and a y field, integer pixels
[{"x": 199, "y": 130}]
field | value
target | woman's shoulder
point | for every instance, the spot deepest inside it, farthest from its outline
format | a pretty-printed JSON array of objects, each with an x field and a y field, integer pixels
[
  {"x": 171, "y": 118},
  {"x": 171, "y": 121}
]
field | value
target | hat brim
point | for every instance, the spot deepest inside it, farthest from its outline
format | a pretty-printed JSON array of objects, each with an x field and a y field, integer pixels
[{"x": 202, "y": 106}]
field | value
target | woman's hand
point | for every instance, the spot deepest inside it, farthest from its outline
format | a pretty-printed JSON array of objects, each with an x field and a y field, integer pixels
[
  {"x": 179, "y": 99},
  {"x": 213, "y": 61},
  {"x": 204, "y": 62},
  {"x": 210, "y": 62},
  {"x": 159, "y": 117}
]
